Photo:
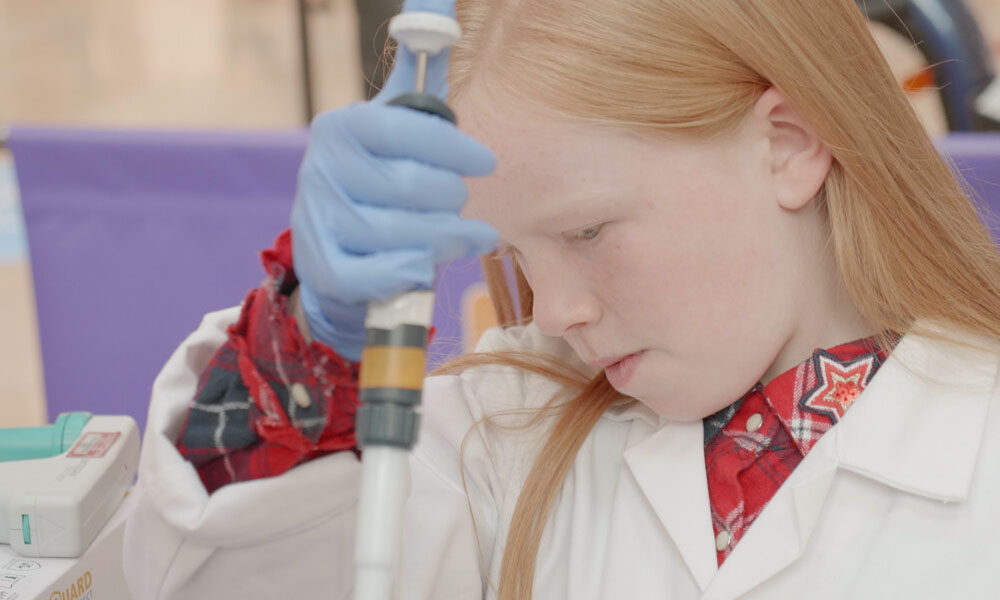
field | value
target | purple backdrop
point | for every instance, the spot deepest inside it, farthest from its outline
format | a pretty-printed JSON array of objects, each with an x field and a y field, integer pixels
[
  {"x": 977, "y": 160},
  {"x": 133, "y": 236}
]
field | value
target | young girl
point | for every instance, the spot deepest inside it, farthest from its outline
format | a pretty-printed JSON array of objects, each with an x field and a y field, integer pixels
[{"x": 756, "y": 356}]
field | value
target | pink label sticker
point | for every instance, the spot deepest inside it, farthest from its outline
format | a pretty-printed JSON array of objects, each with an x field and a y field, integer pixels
[{"x": 94, "y": 444}]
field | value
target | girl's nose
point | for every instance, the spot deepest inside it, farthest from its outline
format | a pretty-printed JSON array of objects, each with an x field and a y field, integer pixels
[{"x": 562, "y": 301}]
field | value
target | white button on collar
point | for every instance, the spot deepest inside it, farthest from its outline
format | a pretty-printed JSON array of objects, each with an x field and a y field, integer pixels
[
  {"x": 754, "y": 422},
  {"x": 300, "y": 395},
  {"x": 722, "y": 540}
]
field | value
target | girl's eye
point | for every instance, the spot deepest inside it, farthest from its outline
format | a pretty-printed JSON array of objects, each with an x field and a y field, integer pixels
[{"x": 588, "y": 233}]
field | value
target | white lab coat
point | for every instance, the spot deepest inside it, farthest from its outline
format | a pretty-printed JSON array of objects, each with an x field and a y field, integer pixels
[{"x": 900, "y": 500}]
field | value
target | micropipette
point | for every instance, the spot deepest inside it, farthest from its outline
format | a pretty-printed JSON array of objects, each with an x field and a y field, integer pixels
[{"x": 393, "y": 361}]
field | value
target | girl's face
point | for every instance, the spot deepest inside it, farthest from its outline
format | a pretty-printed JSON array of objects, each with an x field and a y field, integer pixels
[{"x": 676, "y": 254}]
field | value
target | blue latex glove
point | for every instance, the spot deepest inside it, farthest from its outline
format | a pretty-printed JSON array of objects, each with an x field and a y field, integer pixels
[{"x": 378, "y": 198}]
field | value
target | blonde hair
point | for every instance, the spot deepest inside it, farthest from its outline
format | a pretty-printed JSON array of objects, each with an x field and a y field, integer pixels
[{"x": 908, "y": 242}]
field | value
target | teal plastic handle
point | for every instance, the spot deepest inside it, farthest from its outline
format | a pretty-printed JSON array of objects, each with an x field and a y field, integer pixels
[{"x": 25, "y": 443}]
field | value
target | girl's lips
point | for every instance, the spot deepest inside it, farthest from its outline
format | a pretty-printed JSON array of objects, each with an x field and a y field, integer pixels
[
  {"x": 606, "y": 361},
  {"x": 621, "y": 372}
]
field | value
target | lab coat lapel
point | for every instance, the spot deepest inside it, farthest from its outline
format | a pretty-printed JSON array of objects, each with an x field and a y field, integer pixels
[
  {"x": 780, "y": 534},
  {"x": 669, "y": 467}
]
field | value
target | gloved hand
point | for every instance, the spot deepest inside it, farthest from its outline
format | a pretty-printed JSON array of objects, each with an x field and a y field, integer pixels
[{"x": 379, "y": 193}]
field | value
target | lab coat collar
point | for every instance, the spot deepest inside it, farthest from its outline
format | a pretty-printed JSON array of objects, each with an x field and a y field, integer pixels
[{"x": 917, "y": 427}]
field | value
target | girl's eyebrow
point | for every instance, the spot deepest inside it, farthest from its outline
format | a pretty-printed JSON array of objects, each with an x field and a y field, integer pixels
[
  {"x": 591, "y": 200},
  {"x": 554, "y": 217}
]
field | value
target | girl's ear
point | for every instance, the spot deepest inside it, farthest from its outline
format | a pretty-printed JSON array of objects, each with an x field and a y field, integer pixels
[{"x": 800, "y": 161}]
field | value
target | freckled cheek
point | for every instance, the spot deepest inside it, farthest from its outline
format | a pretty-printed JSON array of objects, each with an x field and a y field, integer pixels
[
  {"x": 641, "y": 281},
  {"x": 692, "y": 289},
  {"x": 726, "y": 251}
]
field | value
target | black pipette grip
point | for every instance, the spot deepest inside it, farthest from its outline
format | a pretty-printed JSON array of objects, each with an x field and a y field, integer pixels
[{"x": 426, "y": 103}]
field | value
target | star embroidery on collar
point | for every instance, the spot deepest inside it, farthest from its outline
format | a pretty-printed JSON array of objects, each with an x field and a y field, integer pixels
[{"x": 837, "y": 384}]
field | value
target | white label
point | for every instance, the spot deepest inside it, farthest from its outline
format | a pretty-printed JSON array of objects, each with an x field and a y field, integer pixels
[{"x": 94, "y": 444}]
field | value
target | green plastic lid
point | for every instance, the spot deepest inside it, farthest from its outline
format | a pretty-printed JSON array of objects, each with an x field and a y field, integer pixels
[{"x": 24, "y": 443}]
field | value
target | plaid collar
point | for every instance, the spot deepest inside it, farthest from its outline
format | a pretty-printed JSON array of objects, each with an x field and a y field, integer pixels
[{"x": 813, "y": 396}]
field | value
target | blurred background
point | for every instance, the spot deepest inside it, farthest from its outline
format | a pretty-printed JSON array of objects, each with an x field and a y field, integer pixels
[{"x": 250, "y": 68}]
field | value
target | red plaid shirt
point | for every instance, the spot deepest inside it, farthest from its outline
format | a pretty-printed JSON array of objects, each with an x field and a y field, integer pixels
[
  {"x": 269, "y": 400},
  {"x": 752, "y": 446}
]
